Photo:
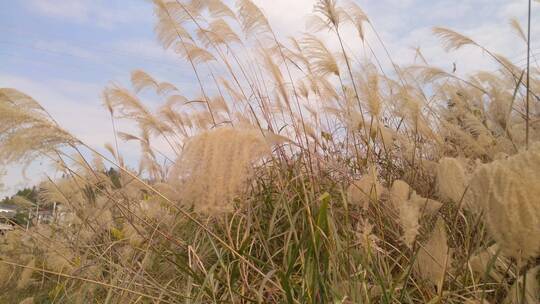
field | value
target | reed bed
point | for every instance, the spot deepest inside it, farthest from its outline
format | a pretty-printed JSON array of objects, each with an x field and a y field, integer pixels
[{"x": 299, "y": 173}]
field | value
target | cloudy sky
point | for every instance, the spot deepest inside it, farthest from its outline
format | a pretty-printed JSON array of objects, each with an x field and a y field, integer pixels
[{"x": 63, "y": 52}]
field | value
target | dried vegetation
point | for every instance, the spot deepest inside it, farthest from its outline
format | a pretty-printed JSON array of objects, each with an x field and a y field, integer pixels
[{"x": 298, "y": 174}]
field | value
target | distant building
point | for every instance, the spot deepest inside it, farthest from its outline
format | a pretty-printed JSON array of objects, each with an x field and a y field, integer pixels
[
  {"x": 7, "y": 213},
  {"x": 30, "y": 216},
  {"x": 44, "y": 216}
]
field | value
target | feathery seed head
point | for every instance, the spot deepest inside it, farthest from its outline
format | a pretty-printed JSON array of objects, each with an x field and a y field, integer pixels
[
  {"x": 26, "y": 275},
  {"x": 366, "y": 189},
  {"x": 507, "y": 192},
  {"x": 433, "y": 256},
  {"x": 451, "y": 179},
  {"x": 215, "y": 167},
  {"x": 451, "y": 39},
  {"x": 252, "y": 18}
]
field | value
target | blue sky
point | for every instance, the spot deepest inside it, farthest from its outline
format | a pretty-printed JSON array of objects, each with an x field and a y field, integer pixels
[{"x": 64, "y": 52}]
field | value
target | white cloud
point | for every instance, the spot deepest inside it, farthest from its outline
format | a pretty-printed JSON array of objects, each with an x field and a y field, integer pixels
[
  {"x": 148, "y": 51},
  {"x": 71, "y": 9},
  {"x": 144, "y": 48},
  {"x": 287, "y": 17},
  {"x": 65, "y": 49},
  {"x": 404, "y": 25},
  {"x": 103, "y": 13}
]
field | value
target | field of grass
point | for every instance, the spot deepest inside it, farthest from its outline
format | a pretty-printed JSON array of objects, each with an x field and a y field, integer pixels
[{"x": 301, "y": 173}]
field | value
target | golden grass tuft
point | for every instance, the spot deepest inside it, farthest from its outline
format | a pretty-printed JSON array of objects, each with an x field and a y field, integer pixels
[
  {"x": 215, "y": 167},
  {"x": 434, "y": 256},
  {"x": 511, "y": 204},
  {"x": 296, "y": 172}
]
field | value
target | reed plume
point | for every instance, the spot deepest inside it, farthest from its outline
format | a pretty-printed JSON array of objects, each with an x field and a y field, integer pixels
[
  {"x": 506, "y": 191},
  {"x": 433, "y": 257},
  {"x": 452, "y": 40},
  {"x": 253, "y": 20},
  {"x": 26, "y": 130},
  {"x": 365, "y": 190},
  {"x": 26, "y": 275},
  {"x": 410, "y": 207},
  {"x": 215, "y": 166},
  {"x": 451, "y": 179}
]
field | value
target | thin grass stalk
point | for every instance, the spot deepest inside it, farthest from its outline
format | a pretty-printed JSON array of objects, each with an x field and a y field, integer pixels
[
  {"x": 229, "y": 68},
  {"x": 192, "y": 66},
  {"x": 528, "y": 76},
  {"x": 155, "y": 228}
]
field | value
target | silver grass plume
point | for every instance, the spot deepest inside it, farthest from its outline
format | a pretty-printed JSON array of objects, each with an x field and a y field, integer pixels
[
  {"x": 27, "y": 131},
  {"x": 218, "y": 9},
  {"x": 433, "y": 256},
  {"x": 410, "y": 207},
  {"x": 451, "y": 179},
  {"x": 452, "y": 40},
  {"x": 26, "y": 274},
  {"x": 482, "y": 261},
  {"x": 507, "y": 192},
  {"x": 365, "y": 190},
  {"x": 253, "y": 20},
  {"x": 215, "y": 166}
]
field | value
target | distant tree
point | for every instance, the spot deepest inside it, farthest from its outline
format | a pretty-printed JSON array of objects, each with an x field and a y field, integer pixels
[
  {"x": 31, "y": 194},
  {"x": 21, "y": 218},
  {"x": 23, "y": 206},
  {"x": 2, "y": 185}
]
